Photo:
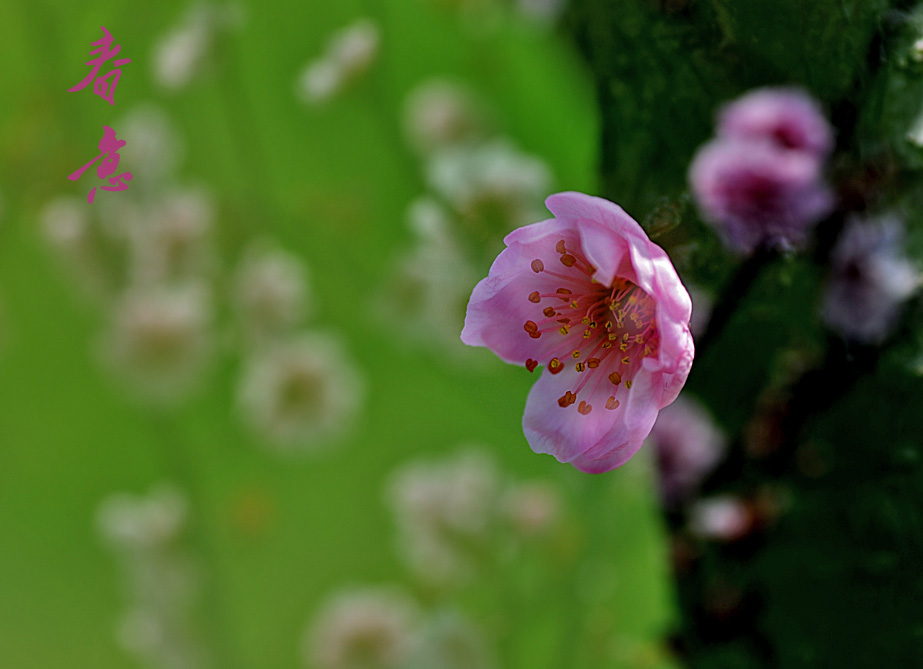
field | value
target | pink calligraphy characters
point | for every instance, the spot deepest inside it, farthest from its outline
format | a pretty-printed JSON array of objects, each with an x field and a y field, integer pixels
[
  {"x": 103, "y": 86},
  {"x": 109, "y": 144}
]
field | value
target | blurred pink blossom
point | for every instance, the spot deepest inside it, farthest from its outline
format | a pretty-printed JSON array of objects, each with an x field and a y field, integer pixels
[
  {"x": 786, "y": 117},
  {"x": 870, "y": 279},
  {"x": 688, "y": 445},
  {"x": 760, "y": 182},
  {"x": 588, "y": 294}
]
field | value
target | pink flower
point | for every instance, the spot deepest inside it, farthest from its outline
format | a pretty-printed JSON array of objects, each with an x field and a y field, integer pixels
[
  {"x": 758, "y": 193},
  {"x": 590, "y": 296},
  {"x": 786, "y": 117},
  {"x": 761, "y": 180},
  {"x": 688, "y": 446}
]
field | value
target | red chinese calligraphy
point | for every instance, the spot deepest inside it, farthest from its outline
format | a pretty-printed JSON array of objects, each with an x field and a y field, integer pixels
[
  {"x": 109, "y": 144},
  {"x": 103, "y": 86}
]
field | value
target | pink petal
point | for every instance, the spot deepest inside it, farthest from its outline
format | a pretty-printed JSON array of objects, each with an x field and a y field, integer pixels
[
  {"x": 564, "y": 432},
  {"x": 636, "y": 416},
  {"x": 499, "y": 304},
  {"x": 603, "y": 225}
]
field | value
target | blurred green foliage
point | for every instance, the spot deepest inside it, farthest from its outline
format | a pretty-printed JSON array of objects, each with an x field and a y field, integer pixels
[{"x": 275, "y": 536}]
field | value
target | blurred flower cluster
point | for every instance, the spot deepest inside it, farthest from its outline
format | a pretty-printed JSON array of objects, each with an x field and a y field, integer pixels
[
  {"x": 459, "y": 519},
  {"x": 349, "y": 53},
  {"x": 162, "y": 584},
  {"x": 149, "y": 260},
  {"x": 760, "y": 182},
  {"x": 480, "y": 188}
]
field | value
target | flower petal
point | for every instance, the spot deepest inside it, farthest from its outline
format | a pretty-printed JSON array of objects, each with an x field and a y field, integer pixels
[
  {"x": 637, "y": 414},
  {"x": 499, "y": 304},
  {"x": 564, "y": 432},
  {"x": 603, "y": 225}
]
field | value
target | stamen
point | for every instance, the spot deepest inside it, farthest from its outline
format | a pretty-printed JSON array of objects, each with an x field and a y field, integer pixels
[
  {"x": 567, "y": 399},
  {"x": 555, "y": 366},
  {"x": 531, "y": 364},
  {"x": 616, "y": 378},
  {"x": 535, "y": 297},
  {"x": 568, "y": 260},
  {"x": 612, "y": 403},
  {"x": 560, "y": 247},
  {"x": 537, "y": 266},
  {"x": 530, "y": 327},
  {"x": 549, "y": 312},
  {"x": 584, "y": 408},
  {"x": 628, "y": 383}
]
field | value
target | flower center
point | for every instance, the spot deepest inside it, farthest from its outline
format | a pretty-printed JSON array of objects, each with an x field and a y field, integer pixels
[{"x": 604, "y": 331}]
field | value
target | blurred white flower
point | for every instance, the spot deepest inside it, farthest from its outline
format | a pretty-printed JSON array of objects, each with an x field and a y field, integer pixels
[
  {"x": 300, "y": 393},
  {"x": 145, "y": 534},
  {"x": 369, "y": 628},
  {"x": 439, "y": 113},
  {"x": 916, "y": 51},
  {"x": 270, "y": 292},
  {"x": 448, "y": 641},
  {"x": 69, "y": 232},
  {"x": 180, "y": 55},
  {"x": 494, "y": 186},
  {"x": 160, "y": 339},
  {"x": 130, "y": 522},
  {"x": 915, "y": 133},
  {"x": 152, "y": 148},
  {"x": 349, "y": 53},
  {"x": 545, "y": 11},
  {"x": 171, "y": 239},
  {"x": 702, "y": 305},
  {"x": 725, "y": 518},
  {"x": 426, "y": 295},
  {"x": 532, "y": 508},
  {"x": 446, "y": 512}
]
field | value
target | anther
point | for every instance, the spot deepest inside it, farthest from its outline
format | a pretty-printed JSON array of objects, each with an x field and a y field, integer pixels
[
  {"x": 555, "y": 366},
  {"x": 612, "y": 403},
  {"x": 530, "y": 326},
  {"x": 575, "y": 354},
  {"x": 592, "y": 363},
  {"x": 628, "y": 383},
  {"x": 549, "y": 312},
  {"x": 587, "y": 333},
  {"x": 626, "y": 360},
  {"x": 535, "y": 297},
  {"x": 531, "y": 364},
  {"x": 567, "y": 399},
  {"x": 616, "y": 378},
  {"x": 537, "y": 266},
  {"x": 580, "y": 367},
  {"x": 584, "y": 408},
  {"x": 586, "y": 320},
  {"x": 560, "y": 247},
  {"x": 564, "y": 330}
]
